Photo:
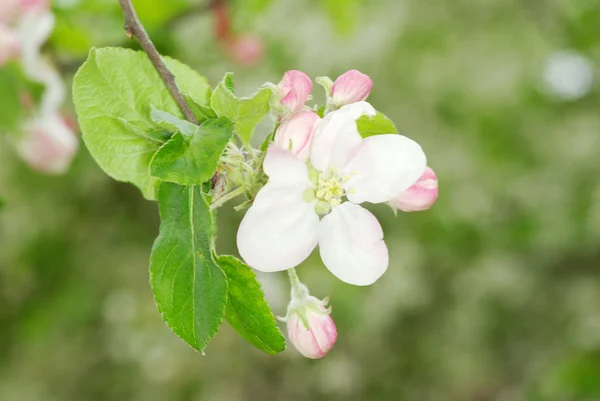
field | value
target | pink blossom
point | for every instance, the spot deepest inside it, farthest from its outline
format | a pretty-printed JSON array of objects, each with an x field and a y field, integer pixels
[
  {"x": 247, "y": 49},
  {"x": 316, "y": 339},
  {"x": 304, "y": 205},
  {"x": 294, "y": 90},
  {"x": 295, "y": 131},
  {"x": 48, "y": 145},
  {"x": 10, "y": 47},
  {"x": 421, "y": 196},
  {"x": 351, "y": 87}
]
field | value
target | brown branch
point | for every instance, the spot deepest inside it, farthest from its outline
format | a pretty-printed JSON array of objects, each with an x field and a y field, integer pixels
[{"x": 134, "y": 28}]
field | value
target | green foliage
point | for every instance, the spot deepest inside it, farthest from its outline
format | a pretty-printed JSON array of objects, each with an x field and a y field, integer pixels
[
  {"x": 192, "y": 160},
  {"x": 247, "y": 311},
  {"x": 169, "y": 122},
  {"x": 10, "y": 106},
  {"x": 189, "y": 287},
  {"x": 378, "y": 124},
  {"x": 246, "y": 113},
  {"x": 114, "y": 91},
  {"x": 251, "y": 111}
]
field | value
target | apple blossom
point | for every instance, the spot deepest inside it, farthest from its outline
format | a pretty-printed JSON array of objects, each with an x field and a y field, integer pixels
[
  {"x": 350, "y": 87},
  {"x": 295, "y": 131},
  {"x": 284, "y": 224},
  {"x": 247, "y": 49},
  {"x": 9, "y": 45},
  {"x": 420, "y": 196},
  {"x": 310, "y": 328},
  {"x": 293, "y": 90},
  {"x": 48, "y": 145}
]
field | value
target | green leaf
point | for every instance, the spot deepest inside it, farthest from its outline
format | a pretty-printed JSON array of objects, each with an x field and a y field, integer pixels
[
  {"x": 378, "y": 124},
  {"x": 251, "y": 111},
  {"x": 202, "y": 113},
  {"x": 223, "y": 101},
  {"x": 189, "y": 287},
  {"x": 170, "y": 122},
  {"x": 190, "y": 161},
  {"x": 245, "y": 113},
  {"x": 10, "y": 104},
  {"x": 113, "y": 92},
  {"x": 247, "y": 310}
]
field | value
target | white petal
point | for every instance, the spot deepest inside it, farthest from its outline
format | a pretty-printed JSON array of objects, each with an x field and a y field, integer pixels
[
  {"x": 336, "y": 137},
  {"x": 283, "y": 167},
  {"x": 351, "y": 245},
  {"x": 382, "y": 167},
  {"x": 279, "y": 231}
]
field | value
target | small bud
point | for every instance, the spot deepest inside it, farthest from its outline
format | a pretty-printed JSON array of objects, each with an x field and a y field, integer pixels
[
  {"x": 247, "y": 50},
  {"x": 421, "y": 196},
  {"x": 311, "y": 329},
  {"x": 295, "y": 132},
  {"x": 48, "y": 145},
  {"x": 351, "y": 87},
  {"x": 10, "y": 46},
  {"x": 294, "y": 89}
]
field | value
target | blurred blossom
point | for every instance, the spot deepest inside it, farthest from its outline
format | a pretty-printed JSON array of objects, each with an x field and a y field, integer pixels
[
  {"x": 568, "y": 75},
  {"x": 420, "y": 196},
  {"x": 48, "y": 145},
  {"x": 247, "y": 50},
  {"x": 295, "y": 132},
  {"x": 9, "y": 45}
]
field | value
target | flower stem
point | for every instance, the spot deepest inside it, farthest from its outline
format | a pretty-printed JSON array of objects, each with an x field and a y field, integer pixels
[
  {"x": 227, "y": 197},
  {"x": 299, "y": 290}
]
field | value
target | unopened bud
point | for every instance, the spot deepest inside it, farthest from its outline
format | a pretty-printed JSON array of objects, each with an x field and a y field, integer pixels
[
  {"x": 247, "y": 49},
  {"x": 421, "y": 196},
  {"x": 295, "y": 132},
  {"x": 294, "y": 89},
  {"x": 350, "y": 87}
]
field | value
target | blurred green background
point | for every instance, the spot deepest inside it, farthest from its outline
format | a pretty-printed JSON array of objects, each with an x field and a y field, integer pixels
[{"x": 494, "y": 294}]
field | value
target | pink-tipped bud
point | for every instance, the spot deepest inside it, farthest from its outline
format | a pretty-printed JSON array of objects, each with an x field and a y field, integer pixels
[
  {"x": 48, "y": 145},
  {"x": 311, "y": 329},
  {"x": 10, "y": 46},
  {"x": 295, "y": 132},
  {"x": 351, "y": 87},
  {"x": 247, "y": 50},
  {"x": 420, "y": 196},
  {"x": 294, "y": 89}
]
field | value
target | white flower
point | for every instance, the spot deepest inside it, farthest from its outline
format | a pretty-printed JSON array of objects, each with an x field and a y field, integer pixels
[
  {"x": 284, "y": 224},
  {"x": 568, "y": 75}
]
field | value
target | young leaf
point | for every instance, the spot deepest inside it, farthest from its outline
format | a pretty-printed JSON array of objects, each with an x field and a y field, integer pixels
[
  {"x": 202, "y": 113},
  {"x": 170, "y": 122},
  {"x": 247, "y": 310},
  {"x": 116, "y": 85},
  {"x": 223, "y": 101},
  {"x": 251, "y": 111},
  {"x": 378, "y": 124},
  {"x": 190, "y": 161},
  {"x": 189, "y": 287}
]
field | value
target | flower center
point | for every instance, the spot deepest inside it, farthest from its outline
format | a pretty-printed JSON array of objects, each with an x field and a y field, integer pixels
[{"x": 329, "y": 192}]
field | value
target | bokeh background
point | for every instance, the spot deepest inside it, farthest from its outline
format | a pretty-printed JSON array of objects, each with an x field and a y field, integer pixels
[{"x": 494, "y": 294}]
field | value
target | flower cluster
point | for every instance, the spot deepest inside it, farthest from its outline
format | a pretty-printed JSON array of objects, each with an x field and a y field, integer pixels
[
  {"x": 321, "y": 170},
  {"x": 48, "y": 142}
]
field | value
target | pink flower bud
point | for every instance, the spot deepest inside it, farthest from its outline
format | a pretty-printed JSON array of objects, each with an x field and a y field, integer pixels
[
  {"x": 421, "y": 196},
  {"x": 351, "y": 87},
  {"x": 247, "y": 49},
  {"x": 10, "y": 47},
  {"x": 295, "y": 132},
  {"x": 294, "y": 89},
  {"x": 48, "y": 145},
  {"x": 316, "y": 339}
]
